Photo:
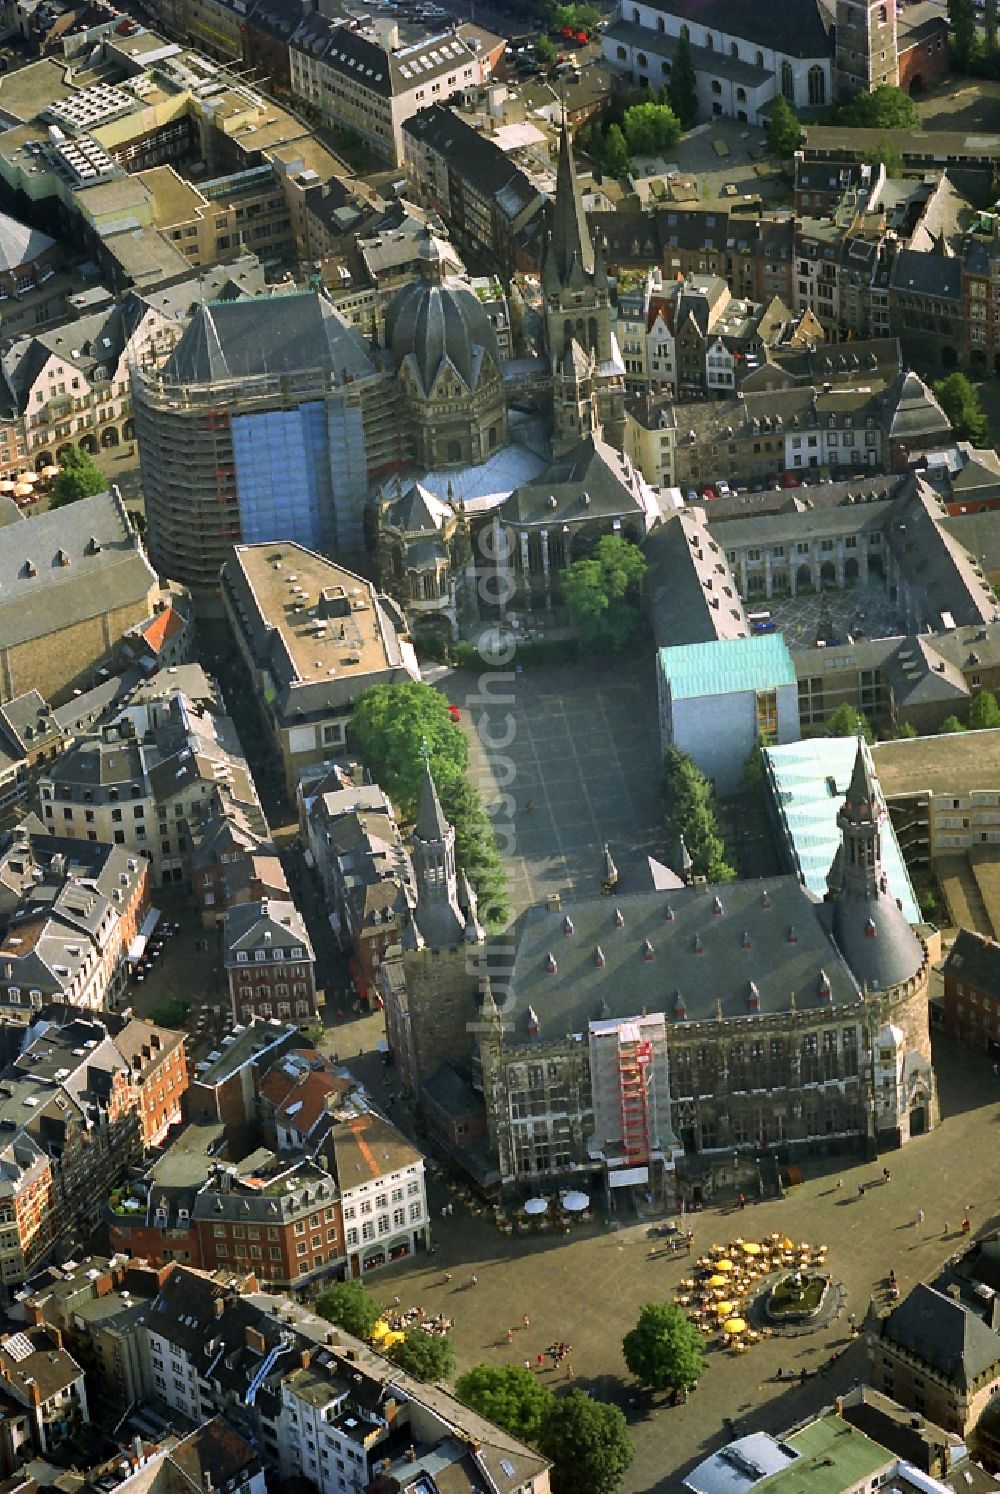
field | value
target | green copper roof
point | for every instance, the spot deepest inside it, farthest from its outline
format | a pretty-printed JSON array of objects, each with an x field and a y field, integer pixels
[{"x": 761, "y": 662}]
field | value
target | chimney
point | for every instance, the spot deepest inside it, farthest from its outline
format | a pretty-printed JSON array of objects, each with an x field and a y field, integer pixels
[
  {"x": 137, "y": 1447},
  {"x": 219, "y": 1306}
]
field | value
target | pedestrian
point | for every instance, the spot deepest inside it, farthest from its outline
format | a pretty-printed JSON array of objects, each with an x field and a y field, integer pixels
[
  {"x": 570, "y": 1373},
  {"x": 529, "y": 806},
  {"x": 861, "y": 1190},
  {"x": 527, "y": 1364},
  {"x": 540, "y": 1360},
  {"x": 510, "y": 1335},
  {"x": 741, "y": 1199},
  {"x": 966, "y": 1226},
  {"x": 395, "y": 1301},
  {"x": 473, "y": 1280},
  {"x": 840, "y": 1182},
  {"x": 526, "y": 1321},
  {"x": 886, "y": 1175},
  {"x": 920, "y": 1216},
  {"x": 947, "y": 1227}
]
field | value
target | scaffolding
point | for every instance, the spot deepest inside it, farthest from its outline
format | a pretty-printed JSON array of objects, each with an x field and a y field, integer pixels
[{"x": 635, "y": 1057}]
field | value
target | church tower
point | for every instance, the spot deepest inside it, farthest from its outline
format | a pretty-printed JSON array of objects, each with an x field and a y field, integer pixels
[
  {"x": 443, "y": 945},
  {"x": 587, "y": 370},
  {"x": 867, "y": 53}
]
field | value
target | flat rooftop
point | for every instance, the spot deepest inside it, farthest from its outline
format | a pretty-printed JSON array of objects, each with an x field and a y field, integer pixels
[
  {"x": 25, "y": 93},
  {"x": 326, "y": 615},
  {"x": 174, "y": 199},
  {"x": 956, "y": 764}
]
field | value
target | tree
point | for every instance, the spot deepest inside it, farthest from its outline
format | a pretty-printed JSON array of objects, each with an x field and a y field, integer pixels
[
  {"x": 783, "y": 129},
  {"x": 596, "y": 592},
  {"x": 885, "y": 108},
  {"x": 961, "y": 404},
  {"x": 351, "y": 1306},
  {"x": 545, "y": 51},
  {"x": 650, "y": 128},
  {"x": 889, "y": 156},
  {"x": 990, "y": 27},
  {"x": 425, "y": 1356},
  {"x": 614, "y": 151},
  {"x": 665, "y": 1351},
  {"x": 683, "y": 86},
  {"x": 962, "y": 19},
  {"x": 476, "y": 849},
  {"x": 984, "y": 713},
  {"x": 588, "y": 1443},
  {"x": 845, "y": 721},
  {"x": 906, "y": 732},
  {"x": 691, "y": 814},
  {"x": 391, "y": 722},
  {"x": 511, "y": 1396},
  {"x": 950, "y": 726},
  {"x": 79, "y": 478}
]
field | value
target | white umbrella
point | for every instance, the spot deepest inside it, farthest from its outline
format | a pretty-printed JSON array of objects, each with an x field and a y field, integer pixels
[
  {"x": 536, "y": 1206},
  {"x": 576, "y": 1202}
]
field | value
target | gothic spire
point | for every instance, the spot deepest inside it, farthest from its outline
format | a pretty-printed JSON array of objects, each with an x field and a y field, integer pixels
[
  {"x": 570, "y": 242},
  {"x": 431, "y": 824},
  {"x": 861, "y": 800}
]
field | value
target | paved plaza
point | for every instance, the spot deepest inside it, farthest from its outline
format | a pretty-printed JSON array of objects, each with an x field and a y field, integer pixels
[
  {"x": 857, "y": 611},
  {"x": 587, "y": 1290},
  {"x": 568, "y": 757}
]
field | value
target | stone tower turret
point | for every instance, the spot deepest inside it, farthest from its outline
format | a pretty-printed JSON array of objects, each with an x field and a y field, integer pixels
[{"x": 867, "y": 53}]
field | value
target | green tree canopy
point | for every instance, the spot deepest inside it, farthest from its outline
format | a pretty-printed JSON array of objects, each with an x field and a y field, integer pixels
[
  {"x": 885, "y": 108},
  {"x": 425, "y": 1356},
  {"x": 576, "y": 17},
  {"x": 984, "y": 713},
  {"x": 962, "y": 20},
  {"x": 80, "y": 478},
  {"x": 845, "y": 721},
  {"x": 961, "y": 404},
  {"x": 510, "y": 1395},
  {"x": 683, "y": 85},
  {"x": 598, "y": 591},
  {"x": 391, "y": 722},
  {"x": 665, "y": 1351},
  {"x": 613, "y": 151},
  {"x": 691, "y": 813},
  {"x": 650, "y": 128},
  {"x": 889, "y": 157},
  {"x": 951, "y": 726},
  {"x": 783, "y": 129},
  {"x": 588, "y": 1443},
  {"x": 351, "y": 1306},
  {"x": 545, "y": 51}
]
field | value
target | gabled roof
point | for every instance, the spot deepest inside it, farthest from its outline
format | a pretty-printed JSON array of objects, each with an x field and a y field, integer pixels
[
  {"x": 259, "y": 335},
  {"x": 940, "y": 1331},
  {"x": 19, "y": 244}
]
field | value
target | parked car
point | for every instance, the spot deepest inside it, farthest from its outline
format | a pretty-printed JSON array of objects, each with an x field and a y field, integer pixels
[
  {"x": 692, "y": 495},
  {"x": 708, "y": 492},
  {"x": 723, "y": 489},
  {"x": 791, "y": 480}
]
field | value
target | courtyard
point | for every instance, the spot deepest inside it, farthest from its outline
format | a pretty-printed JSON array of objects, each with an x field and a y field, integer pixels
[
  {"x": 833, "y": 615},
  {"x": 567, "y": 758}
]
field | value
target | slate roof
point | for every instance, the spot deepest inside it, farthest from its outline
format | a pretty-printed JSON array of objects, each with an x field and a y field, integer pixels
[
  {"x": 433, "y": 323},
  {"x": 591, "y": 470},
  {"x": 474, "y": 157},
  {"x": 974, "y": 959},
  {"x": 693, "y": 595},
  {"x": 796, "y": 28},
  {"x": 945, "y": 1335},
  {"x": 268, "y": 335},
  {"x": 67, "y": 565},
  {"x": 265, "y": 925},
  {"x": 581, "y": 990}
]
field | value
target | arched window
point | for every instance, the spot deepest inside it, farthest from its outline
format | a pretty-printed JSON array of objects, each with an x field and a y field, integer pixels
[
  {"x": 760, "y": 59},
  {"x": 734, "y": 50},
  {"x": 787, "y": 82},
  {"x": 454, "y": 451},
  {"x": 709, "y": 41},
  {"x": 664, "y": 67},
  {"x": 660, "y": 24},
  {"x": 817, "y": 85},
  {"x": 622, "y": 55},
  {"x": 640, "y": 58},
  {"x": 685, "y": 34}
]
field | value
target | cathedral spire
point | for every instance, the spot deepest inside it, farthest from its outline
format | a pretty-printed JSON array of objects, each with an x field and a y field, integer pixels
[
  {"x": 431, "y": 824},
  {"x": 570, "y": 243}
]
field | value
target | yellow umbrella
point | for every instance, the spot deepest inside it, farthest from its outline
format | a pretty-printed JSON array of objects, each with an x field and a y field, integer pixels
[
  {"x": 734, "y": 1326},
  {"x": 51, "y": 471},
  {"x": 392, "y": 1338},
  {"x": 380, "y": 1329},
  {"x": 751, "y": 1249},
  {"x": 716, "y": 1281},
  {"x": 726, "y": 1266},
  {"x": 22, "y": 490},
  {"x": 723, "y": 1309}
]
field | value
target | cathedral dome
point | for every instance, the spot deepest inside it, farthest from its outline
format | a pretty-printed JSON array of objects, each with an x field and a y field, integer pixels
[{"x": 433, "y": 320}]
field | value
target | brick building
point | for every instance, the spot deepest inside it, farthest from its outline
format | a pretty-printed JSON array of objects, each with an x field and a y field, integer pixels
[
  {"x": 972, "y": 991},
  {"x": 158, "y": 1059},
  {"x": 269, "y": 962}
]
